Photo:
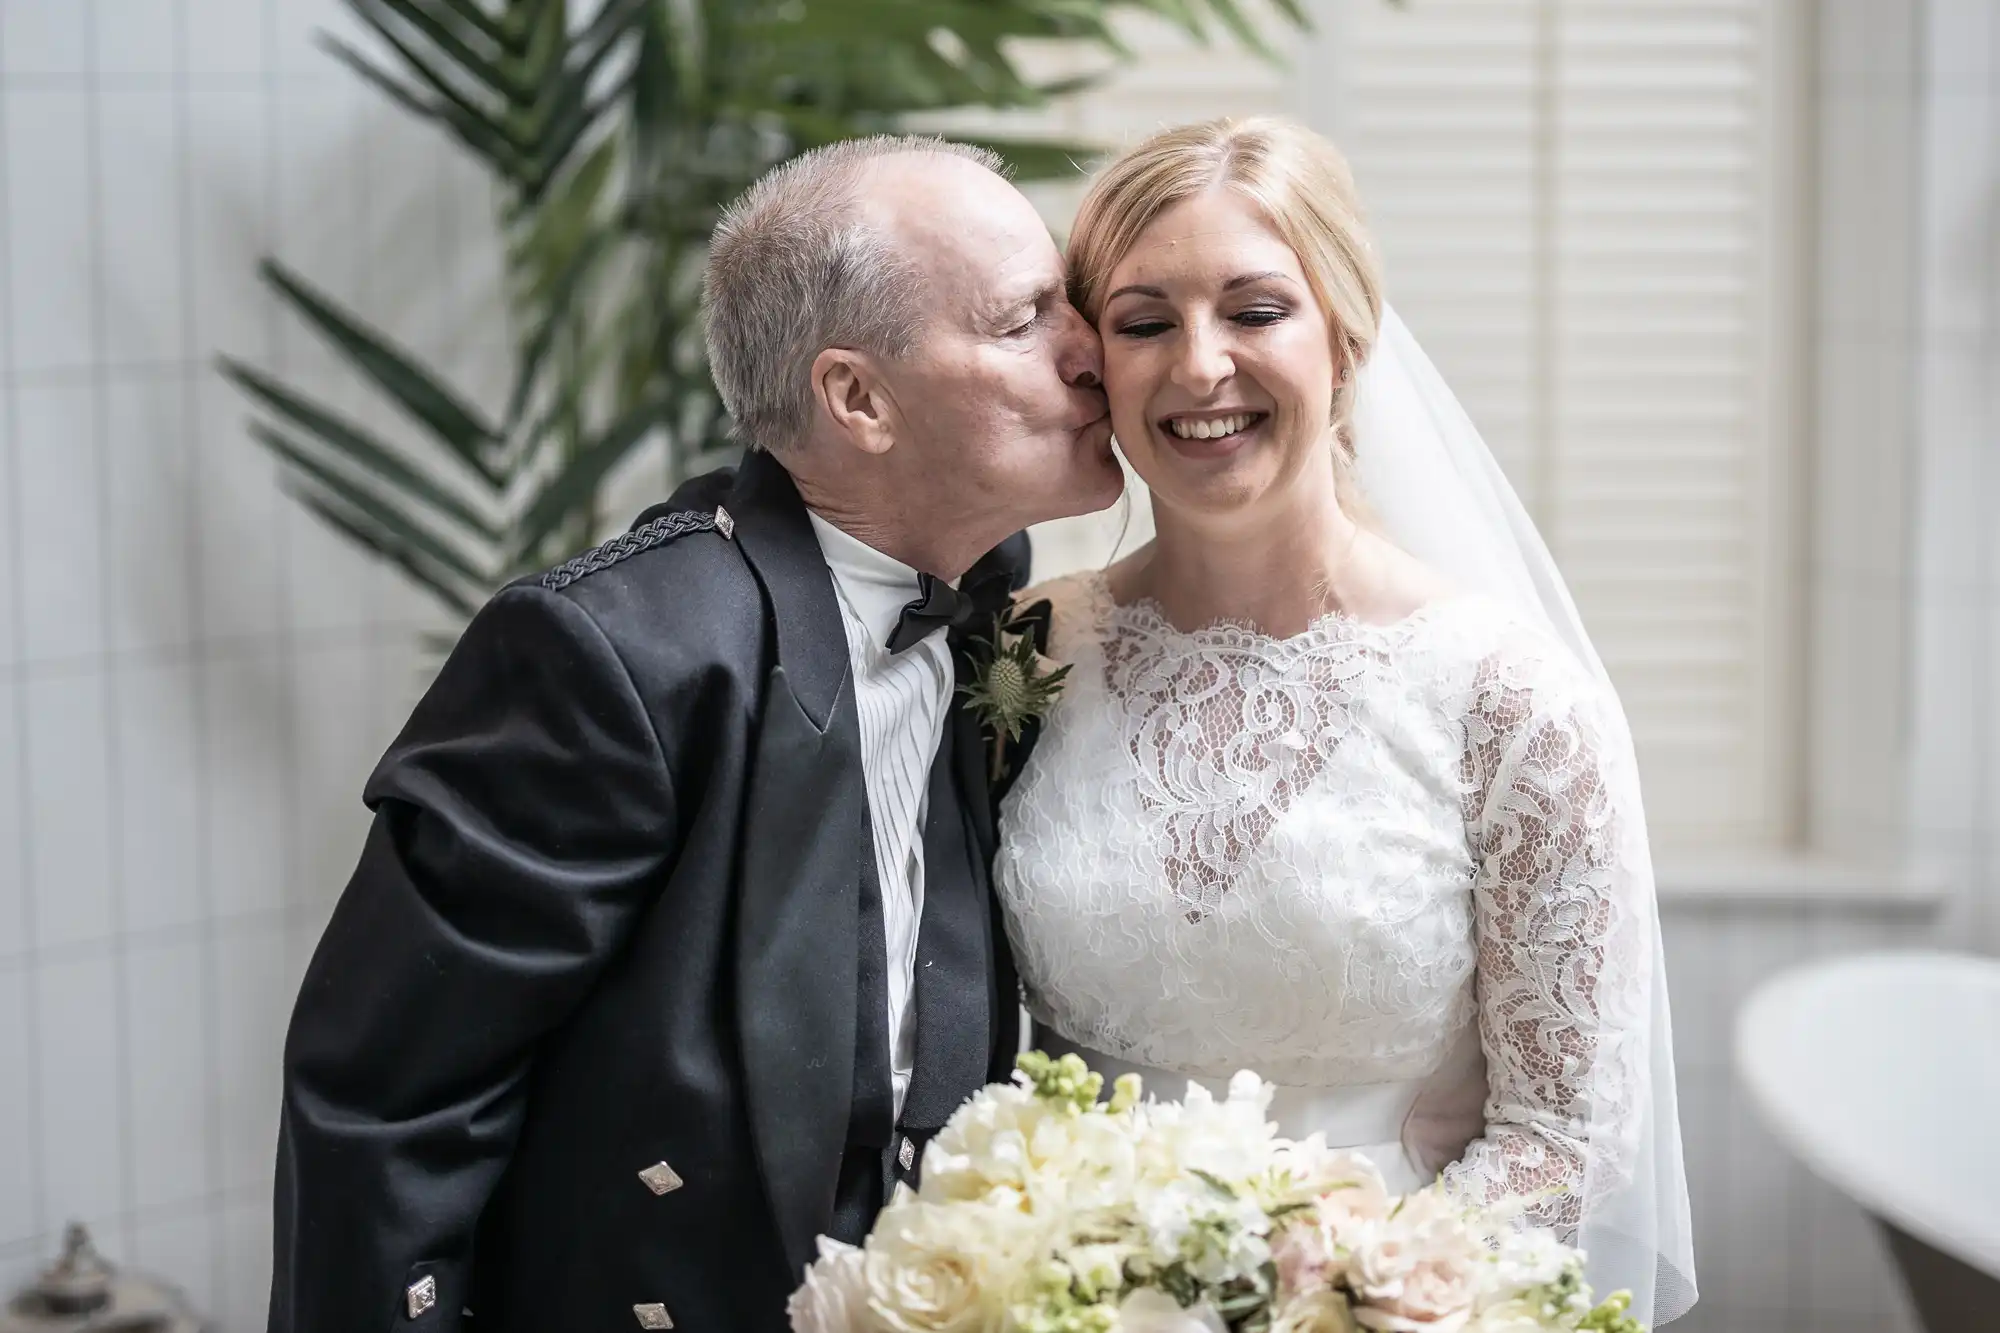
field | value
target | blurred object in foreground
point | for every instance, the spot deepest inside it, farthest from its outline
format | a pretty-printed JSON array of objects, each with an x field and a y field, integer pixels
[{"x": 82, "y": 1293}]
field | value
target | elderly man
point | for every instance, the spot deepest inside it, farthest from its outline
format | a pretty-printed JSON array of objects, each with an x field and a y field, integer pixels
[{"x": 673, "y": 939}]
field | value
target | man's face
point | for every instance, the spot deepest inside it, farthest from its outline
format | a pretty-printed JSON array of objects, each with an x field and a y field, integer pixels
[{"x": 1001, "y": 413}]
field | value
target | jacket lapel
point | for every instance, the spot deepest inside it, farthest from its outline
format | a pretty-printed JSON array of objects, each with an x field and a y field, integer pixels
[
  {"x": 805, "y": 840},
  {"x": 970, "y": 756},
  {"x": 991, "y": 583},
  {"x": 969, "y": 759},
  {"x": 776, "y": 535}
]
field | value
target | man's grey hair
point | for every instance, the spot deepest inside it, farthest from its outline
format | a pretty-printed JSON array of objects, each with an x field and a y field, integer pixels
[{"x": 793, "y": 269}]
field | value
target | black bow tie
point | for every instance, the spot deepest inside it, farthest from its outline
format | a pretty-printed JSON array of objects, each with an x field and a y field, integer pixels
[{"x": 938, "y": 605}]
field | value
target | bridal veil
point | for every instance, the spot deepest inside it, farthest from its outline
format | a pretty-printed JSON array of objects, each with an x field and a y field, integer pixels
[{"x": 1437, "y": 492}]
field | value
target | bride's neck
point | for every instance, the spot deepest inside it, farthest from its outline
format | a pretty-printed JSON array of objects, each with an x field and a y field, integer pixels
[{"x": 1278, "y": 568}]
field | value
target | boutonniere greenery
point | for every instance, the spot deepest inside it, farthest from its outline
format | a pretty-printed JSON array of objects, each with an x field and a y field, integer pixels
[{"x": 1012, "y": 683}]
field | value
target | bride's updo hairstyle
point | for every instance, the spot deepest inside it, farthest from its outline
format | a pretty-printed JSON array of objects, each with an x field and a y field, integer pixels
[{"x": 1300, "y": 182}]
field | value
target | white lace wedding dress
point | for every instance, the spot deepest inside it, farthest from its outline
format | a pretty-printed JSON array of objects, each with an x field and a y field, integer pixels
[{"x": 1381, "y": 865}]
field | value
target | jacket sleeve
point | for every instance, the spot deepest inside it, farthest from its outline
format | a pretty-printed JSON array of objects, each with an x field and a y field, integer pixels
[{"x": 522, "y": 820}]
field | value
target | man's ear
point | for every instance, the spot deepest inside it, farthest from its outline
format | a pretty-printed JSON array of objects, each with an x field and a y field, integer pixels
[{"x": 849, "y": 392}]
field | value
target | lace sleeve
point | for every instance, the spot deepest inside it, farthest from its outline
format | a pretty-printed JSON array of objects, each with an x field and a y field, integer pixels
[{"x": 1562, "y": 897}]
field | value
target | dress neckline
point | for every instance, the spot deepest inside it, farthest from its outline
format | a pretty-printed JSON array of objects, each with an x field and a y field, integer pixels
[{"x": 1147, "y": 616}]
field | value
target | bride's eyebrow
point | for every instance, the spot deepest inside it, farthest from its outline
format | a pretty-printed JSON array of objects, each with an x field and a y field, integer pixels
[
  {"x": 1241, "y": 280},
  {"x": 1137, "y": 289},
  {"x": 1246, "y": 279}
]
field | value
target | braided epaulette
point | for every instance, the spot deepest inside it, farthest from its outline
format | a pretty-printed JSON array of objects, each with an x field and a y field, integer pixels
[{"x": 643, "y": 538}]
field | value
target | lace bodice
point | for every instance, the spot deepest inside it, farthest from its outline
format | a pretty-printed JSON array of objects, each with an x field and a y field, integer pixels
[{"x": 1366, "y": 854}]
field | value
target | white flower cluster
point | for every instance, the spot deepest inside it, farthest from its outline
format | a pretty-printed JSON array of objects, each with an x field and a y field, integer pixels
[{"x": 1043, "y": 1210}]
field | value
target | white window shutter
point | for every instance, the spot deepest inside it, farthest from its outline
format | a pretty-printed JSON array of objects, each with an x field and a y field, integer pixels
[{"x": 1572, "y": 199}]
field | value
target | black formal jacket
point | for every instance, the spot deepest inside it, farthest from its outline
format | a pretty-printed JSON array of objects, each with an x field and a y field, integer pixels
[{"x": 606, "y": 918}]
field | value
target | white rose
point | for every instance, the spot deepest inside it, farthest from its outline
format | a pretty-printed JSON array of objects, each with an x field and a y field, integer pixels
[
  {"x": 943, "y": 1268},
  {"x": 1397, "y": 1319},
  {"x": 1150, "y": 1311},
  {"x": 1422, "y": 1270},
  {"x": 1319, "y": 1312},
  {"x": 1352, "y": 1194},
  {"x": 1344, "y": 1198},
  {"x": 834, "y": 1298}
]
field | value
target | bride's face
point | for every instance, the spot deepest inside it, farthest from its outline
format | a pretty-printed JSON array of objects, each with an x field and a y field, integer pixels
[{"x": 1218, "y": 360}]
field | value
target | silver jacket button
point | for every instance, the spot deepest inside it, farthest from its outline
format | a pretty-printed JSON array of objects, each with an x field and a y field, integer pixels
[
  {"x": 660, "y": 1178},
  {"x": 652, "y": 1316},
  {"x": 420, "y": 1296}
]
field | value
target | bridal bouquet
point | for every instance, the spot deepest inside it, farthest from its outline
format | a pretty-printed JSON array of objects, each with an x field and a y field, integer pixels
[{"x": 1045, "y": 1211}]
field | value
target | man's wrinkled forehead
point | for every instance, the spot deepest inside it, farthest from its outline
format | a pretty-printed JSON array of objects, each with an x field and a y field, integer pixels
[{"x": 978, "y": 243}]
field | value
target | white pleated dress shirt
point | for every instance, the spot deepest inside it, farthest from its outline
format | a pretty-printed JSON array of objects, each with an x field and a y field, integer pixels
[{"x": 901, "y": 700}]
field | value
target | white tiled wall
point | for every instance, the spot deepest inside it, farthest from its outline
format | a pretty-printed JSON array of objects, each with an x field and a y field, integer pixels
[
  {"x": 1955, "y": 804},
  {"x": 1776, "y": 1251},
  {"x": 194, "y": 679},
  {"x": 1906, "y": 567}
]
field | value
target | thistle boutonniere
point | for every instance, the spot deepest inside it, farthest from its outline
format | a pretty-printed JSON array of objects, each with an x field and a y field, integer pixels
[{"x": 1012, "y": 684}]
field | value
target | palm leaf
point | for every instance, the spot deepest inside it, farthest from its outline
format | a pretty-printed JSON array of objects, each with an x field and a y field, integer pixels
[
  {"x": 471, "y": 15},
  {"x": 1245, "y": 31},
  {"x": 1183, "y": 14},
  {"x": 418, "y": 392},
  {"x": 440, "y": 80},
  {"x": 1294, "y": 13},
  {"x": 441, "y": 33},
  {"x": 360, "y": 447},
  {"x": 372, "y": 538},
  {"x": 1072, "y": 85},
  {"x": 1038, "y": 159},
  {"x": 535, "y": 351},
  {"x": 481, "y": 136},
  {"x": 382, "y": 514},
  {"x": 581, "y": 479}
]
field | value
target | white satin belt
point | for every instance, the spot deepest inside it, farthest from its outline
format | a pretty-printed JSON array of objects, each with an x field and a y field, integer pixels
[{"x": 1367, "y": 1118}]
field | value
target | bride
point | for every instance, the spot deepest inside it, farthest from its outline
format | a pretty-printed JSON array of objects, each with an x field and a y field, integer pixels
[{"x": 1337, "y": 789}]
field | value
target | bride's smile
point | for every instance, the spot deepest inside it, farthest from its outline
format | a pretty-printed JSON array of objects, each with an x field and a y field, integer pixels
[{"x": 1212, "y": 434}]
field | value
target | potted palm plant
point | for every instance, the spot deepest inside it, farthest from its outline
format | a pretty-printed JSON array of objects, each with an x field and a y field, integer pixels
[{"x": 616, "y": 136}]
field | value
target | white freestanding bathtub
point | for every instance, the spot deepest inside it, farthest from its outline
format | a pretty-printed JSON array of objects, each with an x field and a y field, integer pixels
[{"x": 1881, "y": 1073}]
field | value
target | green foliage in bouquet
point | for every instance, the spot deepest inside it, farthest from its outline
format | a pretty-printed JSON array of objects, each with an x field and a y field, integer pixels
[
  {"x": 1068, "y": 1082},
  {"x": 616, "y": 134}
]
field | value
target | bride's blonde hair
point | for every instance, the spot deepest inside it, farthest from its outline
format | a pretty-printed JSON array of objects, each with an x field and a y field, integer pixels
[{"x": 1299, "y": 180}]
